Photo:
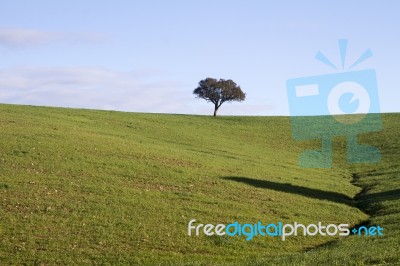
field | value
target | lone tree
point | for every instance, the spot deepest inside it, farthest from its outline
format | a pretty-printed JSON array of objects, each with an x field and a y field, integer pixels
[{"x": 219, "y": 91}]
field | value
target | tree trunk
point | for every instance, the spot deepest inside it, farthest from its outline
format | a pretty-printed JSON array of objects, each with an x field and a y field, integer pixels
[{"x": 215, "y": 110}]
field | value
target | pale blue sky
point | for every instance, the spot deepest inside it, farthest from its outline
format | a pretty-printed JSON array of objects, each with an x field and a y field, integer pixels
[{"x": 148, "y": 56}]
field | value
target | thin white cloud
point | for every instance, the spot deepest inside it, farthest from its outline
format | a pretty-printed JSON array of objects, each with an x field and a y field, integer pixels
[
  {"x": 20, "y": 38},
  {"x": 91, "y": 87}
]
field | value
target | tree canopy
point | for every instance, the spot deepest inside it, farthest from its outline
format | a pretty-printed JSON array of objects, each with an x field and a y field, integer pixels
[{"x": 219, "y": 91}]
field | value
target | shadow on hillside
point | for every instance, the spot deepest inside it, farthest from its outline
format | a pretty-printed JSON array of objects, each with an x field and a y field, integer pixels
[
  {"x": 386, "y": 195},
  {"x": 294, "y": 189}
]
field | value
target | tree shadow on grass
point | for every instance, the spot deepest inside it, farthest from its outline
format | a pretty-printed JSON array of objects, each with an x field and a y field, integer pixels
[
  {"x": 380, "y": 196},
  {"x": 294, "y": 189},
  {"x": 386, "y": 195}
]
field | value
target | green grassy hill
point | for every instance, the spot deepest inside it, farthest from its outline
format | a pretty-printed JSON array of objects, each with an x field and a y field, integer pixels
[{"x": 83, "y": 186}]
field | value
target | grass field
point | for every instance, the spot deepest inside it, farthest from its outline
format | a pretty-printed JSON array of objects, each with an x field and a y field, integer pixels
[{"x": 102, "y": 187}]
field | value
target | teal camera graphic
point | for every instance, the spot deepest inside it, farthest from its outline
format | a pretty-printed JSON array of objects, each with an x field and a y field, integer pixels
[{"x": 319, "y": 108}]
